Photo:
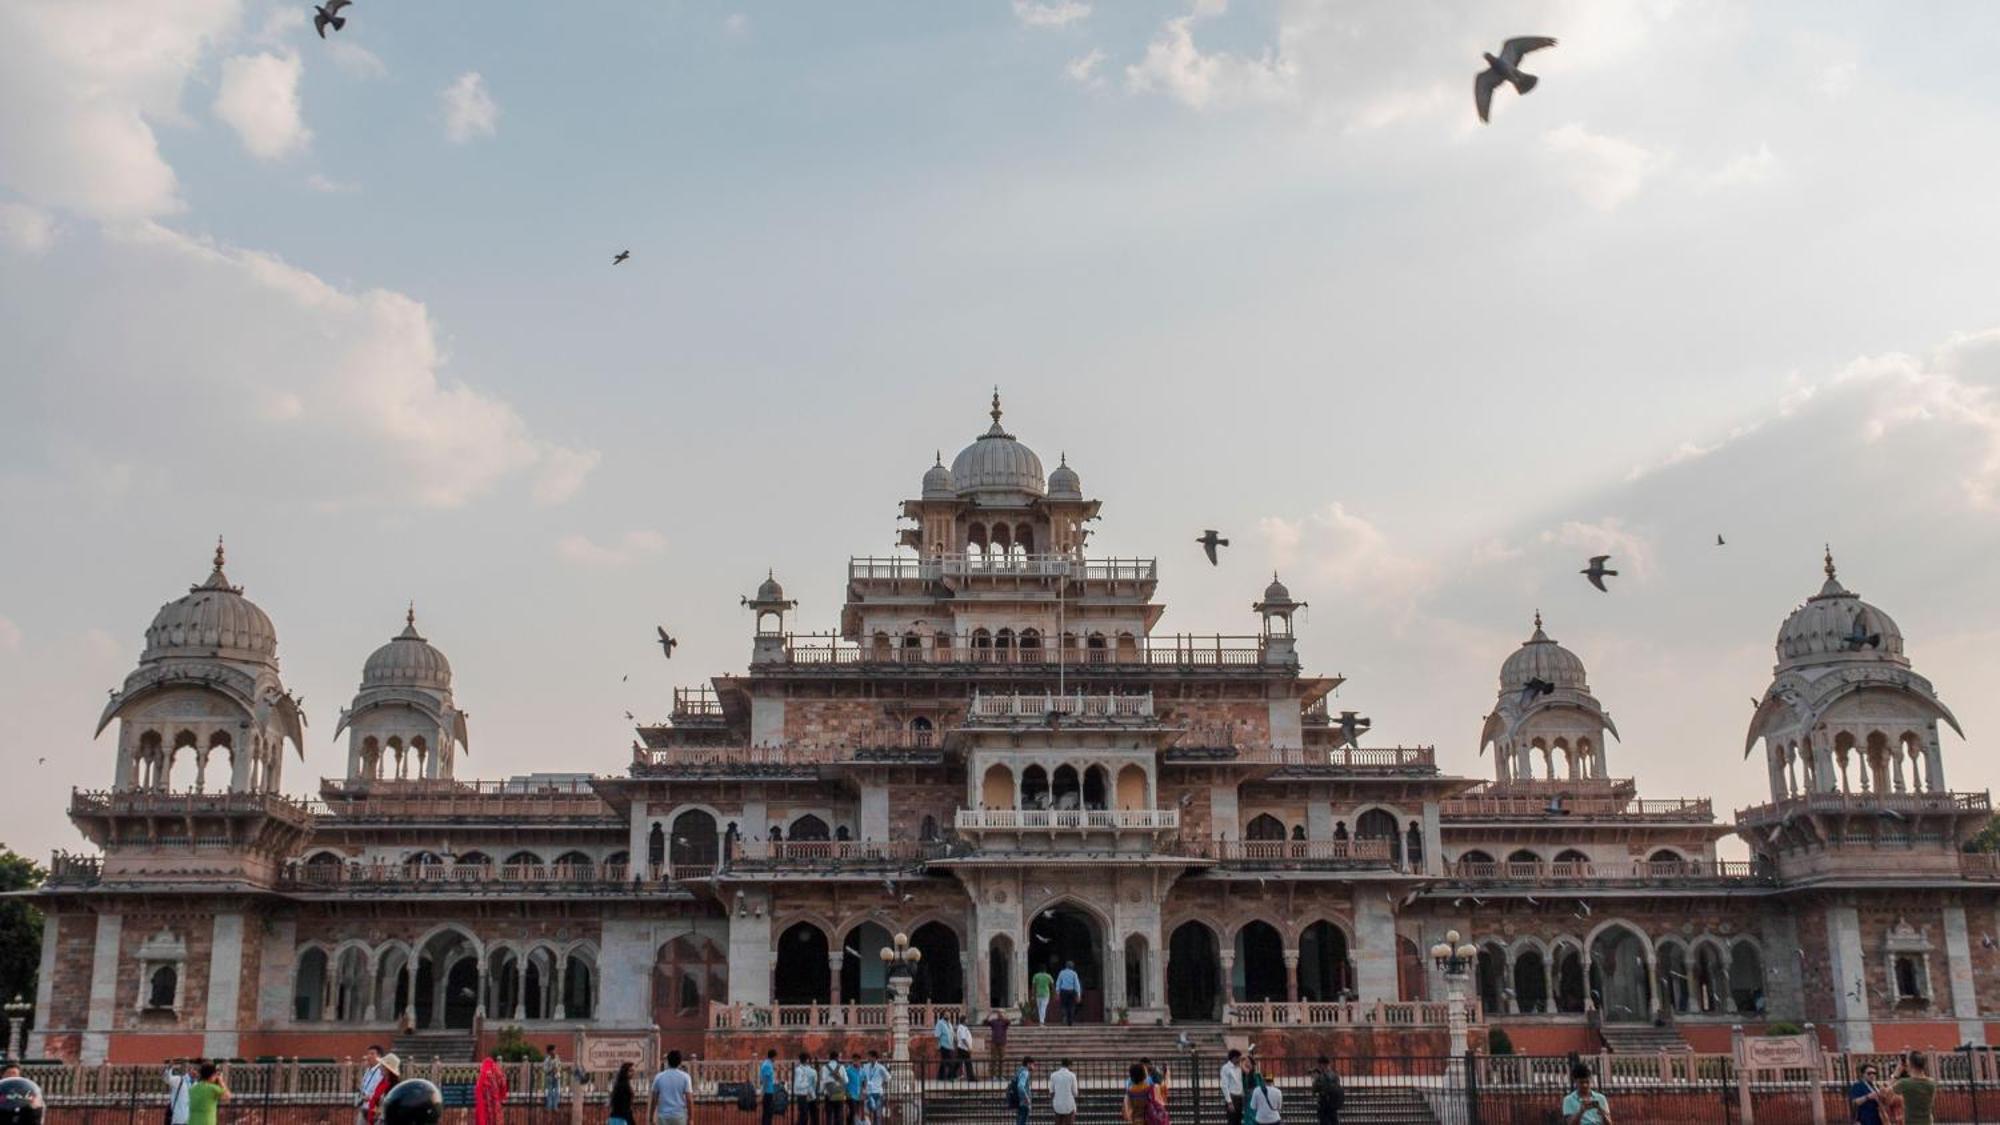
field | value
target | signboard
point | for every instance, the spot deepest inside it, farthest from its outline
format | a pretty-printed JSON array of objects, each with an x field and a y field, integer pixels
[
  {"x": 606, "y": 1052},
  {"x": 1772, "y": 1052},
  {"x": 456, "y": 1094}
]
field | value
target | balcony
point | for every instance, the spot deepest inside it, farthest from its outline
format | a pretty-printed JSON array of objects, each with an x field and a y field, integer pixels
[
  {"x": 1597, "y": 875},
  {"x": 791, "y": 760},
  {"x": 482, "y": 878},
  {"x": 1200, "y": 748},
  {"x": 1117, "y": 654},
  {"x": 833, "y": 856},
  {"x": 961, "y": 567},
  {"x": 1867, "y": 804},
  {"x": 1278, "y": 855},
  {"x": 68, "y": 869},
  {"x": 1037, "y": 707},
  {"x": 696, "y": 705},
  {"x": 443, "y": 801},
  {"x": 1069, "y": 820},
  {"x": 1672, "y": 810},
  {"x": 161, "y": 803}
]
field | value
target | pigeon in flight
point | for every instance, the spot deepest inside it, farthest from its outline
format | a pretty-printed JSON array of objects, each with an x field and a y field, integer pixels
[
  {"x": 1859, "y": 637},
  {"x": 1351, "y": 726},
  {"x": 1209, "y": 542},
  {"x": 620, "y": 256},
  {"x": 1597, "y": 574},
  {"x": 1719, "y": 541},
  {"x": 1536, "y": 686},
  {"x": 328, "y": 13},
  {"x": 1506, "y": 68},
  {"x": 667, "y": 642}
]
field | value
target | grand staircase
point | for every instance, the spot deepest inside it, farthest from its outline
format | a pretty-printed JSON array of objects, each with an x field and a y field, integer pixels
[
  {"x": 983, "y": 1103},
  {"x": 1048, "y": 1043},
  {"x": 446, "y": 1046},
  {"x": 1642, "y": 1038}
]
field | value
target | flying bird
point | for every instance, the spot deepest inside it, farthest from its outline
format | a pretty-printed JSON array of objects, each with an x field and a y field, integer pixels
[
  {"x": 1597, "y": 574},
  {"x": 1351, "y": 726},
  {"x": 1719, "y": 540},
  {"x": 1506, "y": 68},
  {"x": 1209, "y": 541},
  {"x": 619, "y": 256},
  {"x": 327, "y": 13},
  {"x": 1859, "y": 637},
  {"x": 667, "y": 642},
  {"x": 628, "y": 716},
  {"x": 1536, "y": 686}
]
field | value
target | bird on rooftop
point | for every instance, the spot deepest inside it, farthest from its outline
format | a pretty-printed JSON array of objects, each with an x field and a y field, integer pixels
[
  {"x": 1209, "y": 541},
  {"x": 667, "y": 642},
  {"x": 1859, "y": 637},
  {"x": 1597, "y": 573},
  {"x": 1506, "y": 68},
  {"x": 620, "y": 256},
  {"x": 324, "y": 14}
]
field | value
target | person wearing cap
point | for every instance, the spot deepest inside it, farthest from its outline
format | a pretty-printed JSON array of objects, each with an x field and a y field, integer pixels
[{"x": 392, "y": 1073}]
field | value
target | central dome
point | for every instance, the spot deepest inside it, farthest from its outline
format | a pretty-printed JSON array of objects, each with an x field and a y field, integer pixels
[
  {"x": 1540, "y": 658},
  {"x": 408, "y": 660},
  {"x": 997, "y": 463},
  {"x": 213, "y": 620}
]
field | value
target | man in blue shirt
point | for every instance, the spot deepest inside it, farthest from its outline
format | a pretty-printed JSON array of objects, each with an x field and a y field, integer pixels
[
  {"x": 671, "y": 1088},
  {"x": 1069, "y": 992},
  {"x": 1866, "y": 1097},
  {"x": 1583, "y": 1105},
  {"x": 1018, "y": 1089},
  {"x": 767, "y": 1084},
  {"x": 947, "y": 1044}
]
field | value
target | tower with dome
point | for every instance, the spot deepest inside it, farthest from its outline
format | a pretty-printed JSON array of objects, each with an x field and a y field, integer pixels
[{"x": 997, "y": 752}]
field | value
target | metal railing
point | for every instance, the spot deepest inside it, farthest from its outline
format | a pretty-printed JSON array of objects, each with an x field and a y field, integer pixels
[{"x": 1068, "y": 820}]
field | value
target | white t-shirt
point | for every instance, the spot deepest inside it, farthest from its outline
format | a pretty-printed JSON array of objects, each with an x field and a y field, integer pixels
[
  {"x": 1232, "y": 1081},
  {"x": 964, "y": 1038},
  {"x": 177, "y": 1093},
  {"x": 805, "y": 1081},
  {"x": 1267, "y": 1100},
  {"x": 1062, "y": 1091},
  {"x": 874, "y": 1078}
]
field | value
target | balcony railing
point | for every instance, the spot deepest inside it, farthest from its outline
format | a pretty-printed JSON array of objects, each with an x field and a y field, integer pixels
[
  {"x": 1068, "y": 820},
  {"x": 696, "y": 703},
  {"x": 778, "y": 1017},
  {"x": 1868, "y": 803},
  {"x": 815, "y": 853},
  {"x": 1281, "y": 853},
  {"x": 479, "y": 876},
  {"x": 1586, "y": 873},
  {"x": 161, "y": 802},
  {"x": 868, "y": 747},
  {"x": 1537, "y": 808},
  {"x": 937, "y": 568},
  {"x": 435, "y": 800},
  {"x": 1345, "y": 1013},
  {"x": 68, "y": 869},
  {"x": 1984, "y": 866},
  {"x": 1150, "y": 652},
  {"x": 1200, "y": 747},
  {"x": 1039, "y": 706}
]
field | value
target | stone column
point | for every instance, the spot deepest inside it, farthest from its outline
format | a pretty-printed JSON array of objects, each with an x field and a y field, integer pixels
[
  {"x": 750, "y": 956},
  {"x": 103, "y": 989},
  {"x": 833, "y": 965},
  {"x": 1224, "y": 821},
  {"x": 1374, "y": 945},
  {"x": 1848, "y": 969},
  {"x": 521, "y": 987},
  {"x": 1433, "y": 839},
  {"x": 45, "y": 982},
  {"x": 1291, "y": 976},
  {"x": 1319, "y": 815},
  {"x": 1934, "y": 765},
  {"x": 1958, "y": 963},
  {"x": 874, "y": 810}
]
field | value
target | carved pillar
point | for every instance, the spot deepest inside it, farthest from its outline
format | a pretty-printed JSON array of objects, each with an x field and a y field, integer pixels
[
  {"x": 556, "y": 986},
  {"x": 1291, "y": 976},
  {"x": 1228, "y": 959},
  {"x": 833, "y": 964},
  {"x": 521, "y": 987}
]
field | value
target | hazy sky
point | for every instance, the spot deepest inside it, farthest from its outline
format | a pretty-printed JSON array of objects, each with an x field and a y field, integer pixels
[{"x": 1254, "y": 267}]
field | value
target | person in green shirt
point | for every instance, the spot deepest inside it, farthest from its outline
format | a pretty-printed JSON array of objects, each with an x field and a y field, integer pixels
[
  {"x": 1043, "y": 984},
  {"x": 1916, "y": 1089},
  {"x": 204, "y": 1096}
]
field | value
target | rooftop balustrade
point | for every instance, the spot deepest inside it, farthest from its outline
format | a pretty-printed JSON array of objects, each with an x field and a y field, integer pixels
[
  {"x": 1591, "y": 874},
  {"x": 1068, "y": 820},
  {"x": 1038, "y": 706},
  {"x": 938, "y": 568},
  {"x": 1194, "y": 748},
  {"x": 1178, "y": 652},
  {"x": 1267, "y": 854},
  {"x": 68, "y": 869},
  {"x": 1865, "y": 804},
  {"x": 478, "y": 877},
  {"x": 696, "y": 703},
  {"x": 1576, "y": 808},
  {"x": 530, "y": 799}
]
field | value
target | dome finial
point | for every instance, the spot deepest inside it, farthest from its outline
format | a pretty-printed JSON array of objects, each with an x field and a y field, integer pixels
[
  {"x": 996, "y": 404},
  {"x": 410, "y": 615},
  {"x": 216, "y": 579},
  {"x": 218, "y": 554},
  {"x": 1539, "y": 635},
  {"x": 1829, "y": 562}
]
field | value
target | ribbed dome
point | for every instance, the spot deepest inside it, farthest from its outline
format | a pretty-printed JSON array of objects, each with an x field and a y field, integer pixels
[
  {"x": 1825, "y": 627},
  {"x": 1276, "y": 593},
  {"x": 1064, "y": 484},
  {"x": 214, "y": 619},
  {"x": 1540, "y": 658},
  {"x": 997, "y": 463},
  {"x": 937, "y": 481},
  {"x": 769, "y": 590},
  {"x": 407, "y": 661}
]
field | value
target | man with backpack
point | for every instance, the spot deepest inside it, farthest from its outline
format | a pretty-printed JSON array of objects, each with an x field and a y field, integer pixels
[
  {"x": 1327, "y": 1093},
  {"x": 1018, "y": 1090},
  {"x": 833, "y": 1090}
]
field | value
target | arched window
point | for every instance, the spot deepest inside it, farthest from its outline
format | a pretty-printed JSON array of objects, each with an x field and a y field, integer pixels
[
  {"x": 1380, "y": 824},
  {"x": 656, "y": 845},
  {"x": 1531, "y": 982},
  {"x": 996, "y": 789},
  {"x": 922, "y": 731},
  {"x": 1260, "y": 963},
  {"x": 1003, "y": 646},
  {"x": 1264, "y": 826},
  {"x": 579, "y": 986},
  {"x": 1413, "y": 844},
  {"x": 308, "y": 988},
  {"x": 163, "y": 987},
  {"x": 1676, "y": 984},
  {"x": 574, "y": 865},
  {"x": 523, "y": 865},
  {"x": 1034, "y": 788},
  {"x": 1665, "y": 856},
  {"x": 1475, "y": 862},
  {"x": 1096, "y": 779},
  {"x": 1031, "y": 646},
  {"x": 694, "y": 845},
  {"x": 982, "y": 645},
  {"x": 1571, "y": 858},
  {"x": 1746, "y": 977},
  {"x": 1325, "y": 971},
  {"x": 1194, "y": 973},
  {"x": 928, "y": 831},
  {"x": 810, "y": 827},
  {"x": 1065, "y": 789}
]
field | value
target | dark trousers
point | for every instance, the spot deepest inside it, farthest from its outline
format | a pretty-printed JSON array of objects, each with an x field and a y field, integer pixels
[
  {"x": 1069, "y": 1003},
  {"x": 965, "y": 1065},
  {"x": 947, "y": 1062},
  {"x": 805, "y": 1111},
  {"x": 765, "y": 1112}
]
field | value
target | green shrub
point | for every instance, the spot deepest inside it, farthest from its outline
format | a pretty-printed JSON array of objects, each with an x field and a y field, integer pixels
[
  {"x": 1784, "y": 1027},
  {"x": 1498, "y": 1042},
  {"x": 514, "y": 1047}
]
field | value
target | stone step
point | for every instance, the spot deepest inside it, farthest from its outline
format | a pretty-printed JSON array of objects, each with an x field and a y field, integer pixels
[{"x": 423, "y": 1046}]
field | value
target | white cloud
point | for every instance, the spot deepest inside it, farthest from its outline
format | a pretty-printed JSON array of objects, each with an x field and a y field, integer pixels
[
  {"x": 259, "y": 98},
  {"x": 354, "y": 60},
  {"x": 624, "y": 551},
  {"x": 562, "y": 473},
  {"x": 82, "y": 85},
  {"x": 1334, "y": 548},
  {"x": 1953, "y": 390},
  {"x": 1053, "y": 13},
  {"x": 1604, "y": 170},
  {"x": 10, "y": 636},
  {"x": 1173, "y": 65},
  {"x": 1746, "y": 170},
  {"x": 1083, "y": 69},
  {"x": 30, "y": 230},
  {"x": 1631, "y": 555},
  {"x": 469, "y": 110}
]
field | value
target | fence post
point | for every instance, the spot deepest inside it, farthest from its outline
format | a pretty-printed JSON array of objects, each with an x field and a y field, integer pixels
[
  {"x": 1471, "y": 1088},
  {"x": 1972, "y": 1079},
  {"x": 1194, "y": 1083}
]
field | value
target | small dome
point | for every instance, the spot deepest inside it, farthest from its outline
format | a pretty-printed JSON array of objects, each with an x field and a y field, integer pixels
[
  {"x": 1540, "y": 658},
  {"x": 213, "y": 620},
  {"x": 1836, "y": 624},
  {"x": 408, "y": 660},
  {"x": 769, "y": 590},
  {"x": 1064, "y": 484},
  {"x": 995, "y": 462},
  {"x": 937, "y": 481},
  {"x": 1276, "y": 593}
]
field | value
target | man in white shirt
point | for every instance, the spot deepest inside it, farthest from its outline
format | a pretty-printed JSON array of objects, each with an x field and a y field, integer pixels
[
  {"x": 964, "y": 1037},
  {"x": 1062, "y": 1094},
  {"x": 371, "y": 1077},
  {"x": 671, "y": 1090},
  {"x": 1232, "y": 1085},
  {"x": 805, "y": 1088},
  {"x": 874, "y": 1088},
  {"x": 179, "y": 1077},
  {"x": 1267, "y": 1102}
]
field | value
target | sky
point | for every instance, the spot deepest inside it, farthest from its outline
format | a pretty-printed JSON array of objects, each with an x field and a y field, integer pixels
[{"x": 1251, "y": 265}]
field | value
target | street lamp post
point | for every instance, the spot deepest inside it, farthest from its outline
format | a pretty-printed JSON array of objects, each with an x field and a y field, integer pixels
[
  {"x": 1454, "y": 958},
  {"x": 17, "y": 1011},
  {"x": 901, "y": 959}
]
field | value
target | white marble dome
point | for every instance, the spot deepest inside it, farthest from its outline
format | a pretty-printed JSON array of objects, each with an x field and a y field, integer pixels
[
  {"x": 1820, "y": 629},
  {"x": 1064, "y": 484},
  {"x": 995, "y": 462},
  {"x": 408, "y": 660},
  {"x": 937, "y": 481},
  {"x": 214, "y": 619},
  {"x": 1540, "y": 658}
]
